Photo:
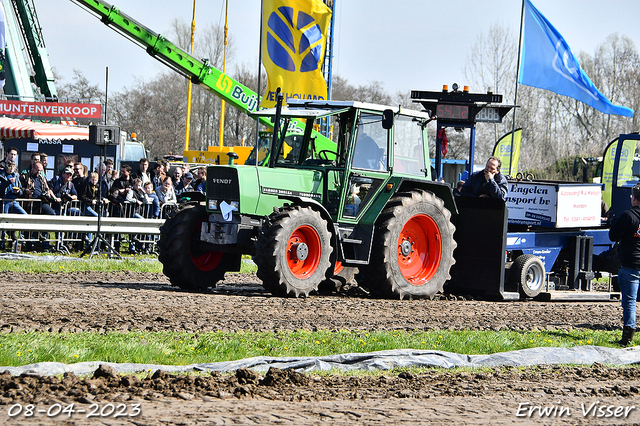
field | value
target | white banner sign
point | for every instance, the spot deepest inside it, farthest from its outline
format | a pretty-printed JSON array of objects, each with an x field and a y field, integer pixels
[
  {"x": 579, "y": 205},
  {"x": 532, "y": 203},
  {"x": 554, "y": 205}
]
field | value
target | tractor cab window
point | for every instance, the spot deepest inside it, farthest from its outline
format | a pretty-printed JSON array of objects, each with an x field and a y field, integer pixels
[
  {"x": 371, "y": 144},
  {"x": 361, "y": 190},
  {"x": 290, "y": 150},
  {"x": 326, "y": 151},
  {"x": 263, "y": 144},
  {"x": 408, "y": 146}
]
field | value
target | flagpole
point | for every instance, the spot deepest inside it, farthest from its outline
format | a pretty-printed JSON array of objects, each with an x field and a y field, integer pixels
[
  {"x": 515, "y": 96},
  {"x": 258, "y": 88},
  {"x": 188, "y": 125},
  {"x": 224, "y": 71}
]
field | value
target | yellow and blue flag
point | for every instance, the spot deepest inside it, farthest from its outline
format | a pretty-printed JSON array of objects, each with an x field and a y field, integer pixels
[
  {"x": 504, "y": 149},
  {"x": 548, "y": 63},
  {"x": 293, "y": 42}
]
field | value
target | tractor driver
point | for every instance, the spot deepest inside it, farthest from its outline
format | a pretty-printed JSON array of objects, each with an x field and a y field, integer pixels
[{"x": 487, "y": 183}]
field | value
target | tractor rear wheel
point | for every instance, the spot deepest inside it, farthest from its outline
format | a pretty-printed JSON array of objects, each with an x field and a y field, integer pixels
[
  {"x": 187, "y": 263},
  {"x": 293, "y": 252},
  {"x": 528, "y": 273},
  {"x": 412, "y": 250}
]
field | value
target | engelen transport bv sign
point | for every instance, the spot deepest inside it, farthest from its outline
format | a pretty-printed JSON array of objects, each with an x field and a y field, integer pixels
[{"x": 20, "y": 109}]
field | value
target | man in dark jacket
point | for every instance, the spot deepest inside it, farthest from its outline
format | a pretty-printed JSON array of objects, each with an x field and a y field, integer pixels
[
  {"x": 123, "y": 183},
  {"x": 626, "y": 230},
  {"x": 79, "y": 177},
  {"x": 10, "y": 155},
  {"x": 143, "y": 172},
  {"x": 64, "y": 191},
  {"x": 489, "y": 183}
]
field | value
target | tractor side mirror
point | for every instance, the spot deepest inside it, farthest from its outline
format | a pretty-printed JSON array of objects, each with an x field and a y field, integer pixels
[{"x": 387, "y": 119}]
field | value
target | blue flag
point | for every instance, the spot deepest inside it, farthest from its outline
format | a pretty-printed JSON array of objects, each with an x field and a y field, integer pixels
[{"x": 548, "y": 63}]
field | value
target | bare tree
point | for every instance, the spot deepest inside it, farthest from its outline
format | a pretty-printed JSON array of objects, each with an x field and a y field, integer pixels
[
  {"x": 341, "y": 90},
  {"x": 491, "y": 66},
  {"x": 205, "y": 106},
  {"x": 155, "y": 111},
  {"x": 240, "y": 129},
  {"x": 612, "y": 70},
  {"x": 80, "y": 88}
]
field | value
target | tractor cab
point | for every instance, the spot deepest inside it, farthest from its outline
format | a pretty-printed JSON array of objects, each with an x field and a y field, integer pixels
[{"x": 371, "y": 143}]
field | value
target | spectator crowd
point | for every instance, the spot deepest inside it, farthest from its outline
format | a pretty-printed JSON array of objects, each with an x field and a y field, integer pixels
[{"x": 146, "y": 193}]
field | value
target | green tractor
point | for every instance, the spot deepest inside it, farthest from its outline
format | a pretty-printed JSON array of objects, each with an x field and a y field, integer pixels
[{"x": 312, "y": 216}]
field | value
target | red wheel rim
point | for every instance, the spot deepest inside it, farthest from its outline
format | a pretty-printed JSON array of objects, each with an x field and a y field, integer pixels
[
  {"x": 203, "y": 260},
  {"x": 419, "y": 249},
  {"x": 307, "y": 238}
]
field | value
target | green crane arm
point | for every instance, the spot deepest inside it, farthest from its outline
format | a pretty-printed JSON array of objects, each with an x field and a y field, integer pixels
[
  {"x": 202, "y": 73},
  {"x": 27, "y": 20}
]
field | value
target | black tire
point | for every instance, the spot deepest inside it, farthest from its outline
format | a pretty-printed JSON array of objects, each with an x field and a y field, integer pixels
[
  {"x": 280, "y": 256},
  {"x": 410, "y": 223},
  {"x": 528, "y": 273},
  {"x": 183, "y": 260}
]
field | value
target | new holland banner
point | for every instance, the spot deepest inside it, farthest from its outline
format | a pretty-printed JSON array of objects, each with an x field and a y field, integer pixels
[
  {"x": 502, "y": 150},
  {"x": 293, "y": 43}
]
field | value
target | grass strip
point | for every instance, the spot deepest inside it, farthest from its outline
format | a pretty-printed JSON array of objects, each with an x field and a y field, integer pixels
[
  {"x": 181, "y": 348},
  {"x": 139, "y": 264}
]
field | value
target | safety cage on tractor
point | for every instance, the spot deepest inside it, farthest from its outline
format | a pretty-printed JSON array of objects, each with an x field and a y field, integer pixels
[{"x": 318, "y": 212}]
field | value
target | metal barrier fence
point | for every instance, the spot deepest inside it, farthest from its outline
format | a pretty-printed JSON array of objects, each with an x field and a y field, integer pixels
[{"x": 129, "y": 223}]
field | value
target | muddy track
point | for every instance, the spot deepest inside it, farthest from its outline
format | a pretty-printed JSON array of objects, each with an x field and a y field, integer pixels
[{"x": 88, "y": 301}]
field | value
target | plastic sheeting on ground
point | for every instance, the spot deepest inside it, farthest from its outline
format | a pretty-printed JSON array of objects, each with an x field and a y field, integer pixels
[
  {"x": 382, "y": 360},
  {"x": 47, "y": 258}
]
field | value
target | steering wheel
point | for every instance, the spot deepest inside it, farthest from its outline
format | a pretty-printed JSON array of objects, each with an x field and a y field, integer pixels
[{"x": 326, "y": 153}]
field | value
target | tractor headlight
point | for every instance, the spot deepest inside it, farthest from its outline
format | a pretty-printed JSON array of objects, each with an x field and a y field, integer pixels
[
  {"x": 235, "y": 204},
  {"x": 213, "y": 204}
]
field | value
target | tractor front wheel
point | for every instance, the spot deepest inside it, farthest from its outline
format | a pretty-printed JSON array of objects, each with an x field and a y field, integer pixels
[
  {"x": 293, "y": 252},
  {"x": 185, "y": 260}
]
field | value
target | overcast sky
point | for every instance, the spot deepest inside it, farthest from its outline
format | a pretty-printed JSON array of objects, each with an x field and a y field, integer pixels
[{"x": 406, "y": 44}]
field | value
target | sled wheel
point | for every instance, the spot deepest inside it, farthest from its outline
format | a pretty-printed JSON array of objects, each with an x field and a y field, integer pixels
[
  {"x": 187, "y": 262},
  {"x": 293, "y": 252},
  {"x": 412, "y": 250},
  {"x": 528, "y": 273}
]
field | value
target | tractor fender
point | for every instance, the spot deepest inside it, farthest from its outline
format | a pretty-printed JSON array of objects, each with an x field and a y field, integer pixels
[
  {"x": 306, "y": 201},
  {"x": 440, "y": 190}
]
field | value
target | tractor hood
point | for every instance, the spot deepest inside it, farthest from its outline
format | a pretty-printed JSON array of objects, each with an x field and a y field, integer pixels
[{"x": 255, "y": 190}]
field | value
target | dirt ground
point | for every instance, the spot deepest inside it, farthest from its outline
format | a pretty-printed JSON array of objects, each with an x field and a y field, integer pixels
[{"x": 87, "y": 301}]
